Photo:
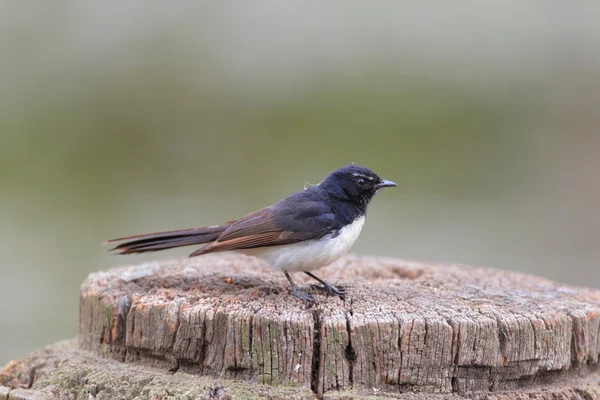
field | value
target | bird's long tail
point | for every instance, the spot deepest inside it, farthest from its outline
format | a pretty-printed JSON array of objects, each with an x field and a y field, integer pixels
[{"x": 167, "y": 240}]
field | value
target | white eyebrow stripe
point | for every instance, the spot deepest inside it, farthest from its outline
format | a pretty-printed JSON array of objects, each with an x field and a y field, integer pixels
[{"x": 363, "y": 176}]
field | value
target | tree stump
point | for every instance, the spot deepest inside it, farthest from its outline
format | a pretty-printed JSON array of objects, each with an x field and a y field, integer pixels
[{"x": 404, "y": 327}]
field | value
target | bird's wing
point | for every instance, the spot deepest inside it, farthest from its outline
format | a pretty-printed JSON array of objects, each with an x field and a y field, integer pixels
[{"x": 283, "y": 223}]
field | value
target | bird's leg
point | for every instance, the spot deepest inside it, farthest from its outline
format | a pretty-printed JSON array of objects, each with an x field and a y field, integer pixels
[
  {"x": 297, "y": 292},
  {"x": 327, "y": 286}
]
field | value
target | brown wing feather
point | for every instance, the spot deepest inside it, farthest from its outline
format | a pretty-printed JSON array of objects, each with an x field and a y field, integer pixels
[
  {"x": 244, "y": 242},
  {"x": 257, "y": 229},
  {"x": 284, "y": 223},
  {"x": 257, "y": 222}
]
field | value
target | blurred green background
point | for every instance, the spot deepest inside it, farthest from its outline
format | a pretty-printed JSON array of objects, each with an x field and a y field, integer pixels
[{"x": 125, "y": 117}]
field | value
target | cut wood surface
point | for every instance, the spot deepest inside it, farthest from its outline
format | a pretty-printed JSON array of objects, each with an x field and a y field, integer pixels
[{"x": 404, "y": 327}]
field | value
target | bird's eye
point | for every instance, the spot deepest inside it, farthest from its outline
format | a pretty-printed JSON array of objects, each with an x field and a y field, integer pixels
[{"x": 360, "y": 182}]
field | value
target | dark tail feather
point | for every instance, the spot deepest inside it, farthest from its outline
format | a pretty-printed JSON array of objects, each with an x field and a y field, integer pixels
[{"x": 167, "y": 240}]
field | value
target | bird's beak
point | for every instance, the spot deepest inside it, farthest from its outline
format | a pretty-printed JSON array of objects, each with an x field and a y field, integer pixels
[{"x": 384, "y": 183}]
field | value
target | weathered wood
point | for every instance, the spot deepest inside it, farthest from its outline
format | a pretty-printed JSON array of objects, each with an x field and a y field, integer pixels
[
  {"x": 63, "y": 371},
  {"x": 404, "y": 327}
]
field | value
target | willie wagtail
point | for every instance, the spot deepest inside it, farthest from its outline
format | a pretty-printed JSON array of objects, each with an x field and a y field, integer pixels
[{"x": 308, "y": 230}]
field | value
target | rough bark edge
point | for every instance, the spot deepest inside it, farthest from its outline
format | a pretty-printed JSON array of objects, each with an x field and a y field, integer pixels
[
  {"x": 472, "y": 361},
  {"x": 64, "y": 371}
]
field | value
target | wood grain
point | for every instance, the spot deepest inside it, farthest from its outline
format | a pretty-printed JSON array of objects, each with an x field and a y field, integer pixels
[{"x": 405, "y": 327}]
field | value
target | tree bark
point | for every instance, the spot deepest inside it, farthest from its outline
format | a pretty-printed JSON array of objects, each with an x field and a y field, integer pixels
[{"x": 405, "y": 330}]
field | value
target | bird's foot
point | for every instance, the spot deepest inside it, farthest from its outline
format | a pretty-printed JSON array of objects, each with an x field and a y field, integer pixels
[
  {"x": 302, "y": 296},
  {"x": 332, "y": 290}
]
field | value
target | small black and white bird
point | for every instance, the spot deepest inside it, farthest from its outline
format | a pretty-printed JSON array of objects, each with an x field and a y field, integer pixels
[{"x": 308, "y": 230}]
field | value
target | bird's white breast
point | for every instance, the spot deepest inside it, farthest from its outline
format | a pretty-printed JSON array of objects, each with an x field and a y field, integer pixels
[{"x": 312, "y": 254}]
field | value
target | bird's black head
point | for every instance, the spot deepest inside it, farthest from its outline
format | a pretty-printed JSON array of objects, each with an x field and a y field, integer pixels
[{"x": 354, "y": 183}]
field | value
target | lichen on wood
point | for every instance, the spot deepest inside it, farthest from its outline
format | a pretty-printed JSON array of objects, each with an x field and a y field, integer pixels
[{"x": 404, "y": 326}]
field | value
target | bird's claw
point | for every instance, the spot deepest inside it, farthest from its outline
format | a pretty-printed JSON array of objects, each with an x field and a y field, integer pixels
[
  {"x": 303, "y": 296},
  {"x": 332, "y": 290}
]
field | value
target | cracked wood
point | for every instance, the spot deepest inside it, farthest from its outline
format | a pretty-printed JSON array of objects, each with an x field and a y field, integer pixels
[{"x": 404, "y": 327}]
